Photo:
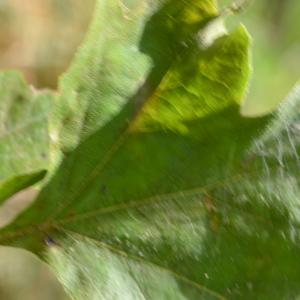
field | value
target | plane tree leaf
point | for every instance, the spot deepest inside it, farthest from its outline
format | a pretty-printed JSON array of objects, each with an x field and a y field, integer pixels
[
  {"x": 116, "y": 57},
  {"x": 107, "y": 69},
  {"x": 23, "y": 134},
  {"x": 237, "y": 238},
  {"x": 138, "y": 190},
  {"x": 172, "y": 195}
]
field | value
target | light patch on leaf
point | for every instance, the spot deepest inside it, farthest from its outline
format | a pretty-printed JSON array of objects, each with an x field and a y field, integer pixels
[
  {"x": 211, "y": 32},
  {"x": 91, "y": 270}
]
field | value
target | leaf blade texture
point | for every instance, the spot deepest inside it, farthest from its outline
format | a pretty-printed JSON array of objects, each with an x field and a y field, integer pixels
[
  {"x": 172, "y": 197},
  {"x": 110, "y": 67},
  {"x": 24, "y": 134}
]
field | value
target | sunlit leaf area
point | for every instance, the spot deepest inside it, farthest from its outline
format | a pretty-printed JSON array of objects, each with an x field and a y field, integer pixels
[{"x": 149, "y": 149}]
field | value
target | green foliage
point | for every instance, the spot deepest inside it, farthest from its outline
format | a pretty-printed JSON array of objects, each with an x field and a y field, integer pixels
[
  {"x": 109, "y": 67},
  {"x": 165, "y": 190},
  {"x": 24, "y": 142},
  {"x": 106, "y": 71},
  {"x": 19, "y": 182}
]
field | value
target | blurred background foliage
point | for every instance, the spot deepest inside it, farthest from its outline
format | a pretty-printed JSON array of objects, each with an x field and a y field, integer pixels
[
  {"x": 39, "y": 37},
  {"x": 274, "y": 27}
]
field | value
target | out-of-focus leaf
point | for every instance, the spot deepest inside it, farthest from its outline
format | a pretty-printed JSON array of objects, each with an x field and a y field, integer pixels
[{"x": 23, "y": 133}]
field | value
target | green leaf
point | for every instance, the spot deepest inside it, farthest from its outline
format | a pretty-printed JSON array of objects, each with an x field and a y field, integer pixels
[
  {"x": 18, "y": 183},
  {"x": 237, "y": 238},
  {"x": 137, "y": 192},
  {"x": 136, "y": 279},
  {"x": 173, "y": 195},
  {"x": 23, "y": 134},
  {"x": 109, "y": 67}
]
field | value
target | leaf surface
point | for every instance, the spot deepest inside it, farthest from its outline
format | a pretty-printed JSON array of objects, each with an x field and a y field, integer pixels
[
  {"x": 116, "y": 58},
  {"x": 234, "y": 239},
  {"x": 23, "y": 134},
  {"x": 17, "y": 183},
  {"x": 172, "y": 197},
  {"x": 152, "y": 174}
]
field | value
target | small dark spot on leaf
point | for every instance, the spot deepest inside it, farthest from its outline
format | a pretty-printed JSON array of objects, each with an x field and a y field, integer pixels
[
  {"x": 66, "y": 120},
  {"x": 40, "y": 205},
  {"x": 81, "y": 89},
  {"x": 19, "y": 98},
  {"x": 71, "y": 214},
  {"x": 103, "y": 189},
  {"x": 50, "y": 242},
  {"x": 215, "y": 224},
  {"x": 209, "y": 204}
]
